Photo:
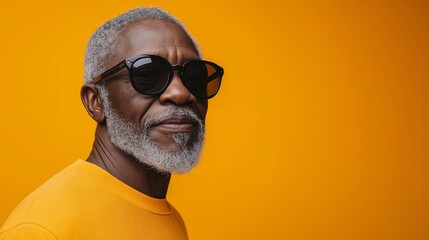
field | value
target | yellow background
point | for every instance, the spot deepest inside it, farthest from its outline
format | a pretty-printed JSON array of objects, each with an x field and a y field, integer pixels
[{"x": 320, "y": 130}]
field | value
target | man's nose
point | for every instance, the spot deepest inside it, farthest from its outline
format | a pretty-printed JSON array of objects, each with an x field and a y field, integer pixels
[{"x": 177, "y": 93}]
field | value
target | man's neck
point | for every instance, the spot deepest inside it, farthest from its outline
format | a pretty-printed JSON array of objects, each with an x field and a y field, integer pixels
[{"x": 126, "y": 168}]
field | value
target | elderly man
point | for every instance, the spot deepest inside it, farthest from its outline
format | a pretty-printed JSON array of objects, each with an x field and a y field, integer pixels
[{"x": 147, "y": 89}]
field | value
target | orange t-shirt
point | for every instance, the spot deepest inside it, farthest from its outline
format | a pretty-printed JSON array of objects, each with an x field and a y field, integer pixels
[{"x": 85, "y": 202}]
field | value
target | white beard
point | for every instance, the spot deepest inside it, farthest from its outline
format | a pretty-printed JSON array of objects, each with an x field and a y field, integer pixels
[{"x": 135, "y": 141}]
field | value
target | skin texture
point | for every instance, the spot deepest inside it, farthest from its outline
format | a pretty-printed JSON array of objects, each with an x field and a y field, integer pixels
[{"x": 144, "y": 37}]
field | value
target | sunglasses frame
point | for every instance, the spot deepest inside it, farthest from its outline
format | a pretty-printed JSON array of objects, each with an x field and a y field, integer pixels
[{"x": 129, "y": 62}]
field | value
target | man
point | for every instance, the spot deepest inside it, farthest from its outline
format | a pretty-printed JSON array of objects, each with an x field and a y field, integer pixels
[{"x": 147, "y": 89}]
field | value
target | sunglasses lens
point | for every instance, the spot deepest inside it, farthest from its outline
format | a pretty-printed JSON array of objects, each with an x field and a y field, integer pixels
[
  {"x": 150, "y": 75},
  {"x": 202, "y": 78}
]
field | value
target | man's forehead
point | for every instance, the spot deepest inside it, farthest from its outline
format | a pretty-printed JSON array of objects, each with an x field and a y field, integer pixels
[
  {"x": 149, "y": 26},
  {"x": 152, "y": 33},
  {"x": 155, "y": 37}
]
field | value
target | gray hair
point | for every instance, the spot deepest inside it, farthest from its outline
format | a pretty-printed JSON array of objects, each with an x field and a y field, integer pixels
[{"x": 104, "y": 40}]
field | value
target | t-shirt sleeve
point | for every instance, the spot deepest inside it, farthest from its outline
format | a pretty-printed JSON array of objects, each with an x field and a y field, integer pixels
[{"x": 28, "y": 231}]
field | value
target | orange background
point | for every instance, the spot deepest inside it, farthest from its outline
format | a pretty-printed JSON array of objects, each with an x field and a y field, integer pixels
[{"x": 320, "y": 130}]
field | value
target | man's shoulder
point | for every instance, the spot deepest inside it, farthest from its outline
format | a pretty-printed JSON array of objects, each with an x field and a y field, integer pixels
[
  {"x": 58, "y": 190},
  {"x": 58, "y": 198}
]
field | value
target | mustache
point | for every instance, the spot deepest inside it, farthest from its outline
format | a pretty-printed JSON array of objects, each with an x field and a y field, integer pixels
[{"x": 171, "y": 113}]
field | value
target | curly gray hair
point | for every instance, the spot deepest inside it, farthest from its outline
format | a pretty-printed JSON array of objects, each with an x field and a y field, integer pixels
[{"x": 104, "y": 40}]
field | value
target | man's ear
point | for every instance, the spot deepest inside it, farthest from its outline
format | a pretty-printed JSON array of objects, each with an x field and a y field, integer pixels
[{"x": 91, "y": 100}]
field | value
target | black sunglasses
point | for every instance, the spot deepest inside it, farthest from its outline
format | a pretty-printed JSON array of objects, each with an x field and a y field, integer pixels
[{"x": 151, "y": 75}]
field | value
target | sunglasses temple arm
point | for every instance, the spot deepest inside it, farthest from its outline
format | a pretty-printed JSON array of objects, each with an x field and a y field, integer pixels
[{"x": 110, "y": 72}]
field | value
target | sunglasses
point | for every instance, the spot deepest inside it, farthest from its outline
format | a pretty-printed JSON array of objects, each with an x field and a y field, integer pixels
[{"x": 151, "y": 75}]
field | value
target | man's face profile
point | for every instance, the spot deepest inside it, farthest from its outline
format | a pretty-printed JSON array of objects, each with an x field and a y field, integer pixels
[{"x": 164, "y": 132}]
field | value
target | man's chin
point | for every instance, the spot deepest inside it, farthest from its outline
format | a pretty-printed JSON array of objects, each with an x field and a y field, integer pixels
[
  {"x": 171, "y": 142},
  {"x": 169, "y": 168}
]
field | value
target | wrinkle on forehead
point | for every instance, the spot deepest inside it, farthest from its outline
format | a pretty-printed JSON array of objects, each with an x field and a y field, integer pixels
[{"x": 155, "y": 37}]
